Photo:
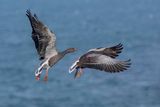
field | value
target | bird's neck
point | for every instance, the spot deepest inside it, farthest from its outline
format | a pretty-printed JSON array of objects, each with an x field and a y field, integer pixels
[
  {"x": 53, "y": 60},
  {"x": 63, "y": 53}
]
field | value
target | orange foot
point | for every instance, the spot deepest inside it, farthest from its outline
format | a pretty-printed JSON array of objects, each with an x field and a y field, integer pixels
[
  {"x": 46, "y": 78},
  {"x": 37, "y": 77}
]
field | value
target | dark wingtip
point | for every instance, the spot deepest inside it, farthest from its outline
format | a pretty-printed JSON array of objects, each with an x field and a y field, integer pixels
[
  {"x": 28, "y": 11},
  {"x": 120, "y": 46},
  {"x": 128, "y": 63},
  {"x": 41, "y": 58}
]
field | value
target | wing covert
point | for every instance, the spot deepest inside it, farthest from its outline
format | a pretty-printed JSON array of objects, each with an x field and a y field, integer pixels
[
  {"x": 111, "y": 51},
  {"x": 44, "y": 39}
]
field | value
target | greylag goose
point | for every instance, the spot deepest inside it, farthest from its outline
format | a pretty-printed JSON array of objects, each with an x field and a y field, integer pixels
[
  {"x": 101, "y": 59},
  {"x": 45, "y": 41}
]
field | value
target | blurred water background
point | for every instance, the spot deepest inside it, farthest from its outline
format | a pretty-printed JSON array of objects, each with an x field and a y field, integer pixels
[{"x": 83, "y": 24}]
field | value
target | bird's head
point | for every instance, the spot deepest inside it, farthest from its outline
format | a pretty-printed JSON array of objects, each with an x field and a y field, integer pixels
[{"x": 70, "y": 50}]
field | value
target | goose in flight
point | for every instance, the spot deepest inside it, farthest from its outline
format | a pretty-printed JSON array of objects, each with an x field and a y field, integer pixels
[
  {"x": 101, "y": 59},
  {"x": 45, "y": 44}
]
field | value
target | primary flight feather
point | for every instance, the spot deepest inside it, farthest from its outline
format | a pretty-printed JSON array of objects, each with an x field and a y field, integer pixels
[
  {"x": 45, "y": 44},
  {"x": 103, "y": 59}
]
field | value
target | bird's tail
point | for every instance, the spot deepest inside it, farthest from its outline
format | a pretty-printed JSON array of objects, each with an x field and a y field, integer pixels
[{"x": 73, "y": 67}]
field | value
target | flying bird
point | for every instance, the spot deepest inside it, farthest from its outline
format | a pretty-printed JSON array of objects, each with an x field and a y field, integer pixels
[
  {"x": 45, "y": 44},
  {"x": 103, "y": 59}
]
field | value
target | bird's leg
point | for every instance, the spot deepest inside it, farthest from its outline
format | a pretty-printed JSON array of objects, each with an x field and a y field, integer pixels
[
  {"x": 38, "y": 77},
  {"x": 81, "y": 71},
  {"x": 46, "y": 75},
  {"x": 38, "y": 72},
  {"x": 78, "y": 72}
]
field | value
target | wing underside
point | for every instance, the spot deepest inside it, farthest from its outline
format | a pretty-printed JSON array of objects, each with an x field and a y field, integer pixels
[
  {"x": 43, "y": 38},
  {"x": 105, "y": 63}
]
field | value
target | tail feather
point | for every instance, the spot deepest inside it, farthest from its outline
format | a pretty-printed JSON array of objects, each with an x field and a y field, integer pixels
[{"x": 73, "y": 67}]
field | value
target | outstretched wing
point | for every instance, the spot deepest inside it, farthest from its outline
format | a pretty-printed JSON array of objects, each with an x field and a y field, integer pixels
[
  {"x": 111, "y": 51},
  {"x": 105, "y": 63},
  {"x": 44, "y": 39}
]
